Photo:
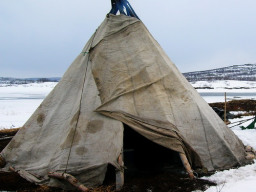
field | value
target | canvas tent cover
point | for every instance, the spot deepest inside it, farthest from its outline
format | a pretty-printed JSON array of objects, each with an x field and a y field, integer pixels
[{"x": 121, "y": 76}]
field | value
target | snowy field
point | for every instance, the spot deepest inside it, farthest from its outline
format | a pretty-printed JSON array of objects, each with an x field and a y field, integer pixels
[
  {"x": 18, "y": 102},
  {"x": 233, "y": 89}
]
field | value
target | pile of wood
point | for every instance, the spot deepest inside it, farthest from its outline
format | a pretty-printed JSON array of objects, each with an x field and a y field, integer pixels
[{"x": 5, "y": 136}]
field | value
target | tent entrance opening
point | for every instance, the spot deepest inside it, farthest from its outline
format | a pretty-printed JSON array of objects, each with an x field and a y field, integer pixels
[{"x": 144, "y": 156}]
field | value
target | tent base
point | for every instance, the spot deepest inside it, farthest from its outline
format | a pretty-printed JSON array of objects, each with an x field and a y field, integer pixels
[{"x": 162, "y": 182}]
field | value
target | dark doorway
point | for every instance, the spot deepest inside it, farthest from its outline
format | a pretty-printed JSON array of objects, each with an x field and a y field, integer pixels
[
  {"x": 144, "y": 159},
  {"x": 142, "y": 156}
]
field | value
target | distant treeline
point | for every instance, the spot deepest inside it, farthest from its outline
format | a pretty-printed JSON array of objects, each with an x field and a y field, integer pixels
[{"x": 7, "y": 80}]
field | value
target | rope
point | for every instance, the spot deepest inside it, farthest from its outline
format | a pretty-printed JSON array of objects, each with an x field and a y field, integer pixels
[
  {"x": 85, "y": 52},
  {"x": 80, "y": 103}
]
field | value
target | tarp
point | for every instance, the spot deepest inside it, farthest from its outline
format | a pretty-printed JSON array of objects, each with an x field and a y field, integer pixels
[{"x": 121, "y": 76}]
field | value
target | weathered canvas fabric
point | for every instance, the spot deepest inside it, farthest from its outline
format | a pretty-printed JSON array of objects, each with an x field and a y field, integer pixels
[{"x": 121, "y": 76}]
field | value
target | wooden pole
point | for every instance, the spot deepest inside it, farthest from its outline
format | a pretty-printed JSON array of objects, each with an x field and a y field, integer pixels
[
  {"x": 12, "y": 169},
  {"x": 120, "y": 173},
  {"x": 6, "y": 138},
  {"x": 69, "y": 178},
  {"x": 2, "y": 161},
  {"x": 187, "y": 165},
  {"x": 225, "y": 109}
]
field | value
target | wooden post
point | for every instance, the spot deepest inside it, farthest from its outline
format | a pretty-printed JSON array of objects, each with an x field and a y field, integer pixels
[
  {"x": 12, "y": 169},
  {"x": 2, "y": 161},
  {"x": 69, "y": 178},
  {"x": 225, "y": 109},
  {"x": 120, "y": 173},
  {"x": 6, "y": 138},
  {"x": 187, "y": 165}
]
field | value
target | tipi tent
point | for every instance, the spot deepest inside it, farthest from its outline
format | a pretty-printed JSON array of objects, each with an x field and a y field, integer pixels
[{"x": 122, "y": 76}]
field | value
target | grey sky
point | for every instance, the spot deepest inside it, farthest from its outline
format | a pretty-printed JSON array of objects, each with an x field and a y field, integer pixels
[{"x": 42, "y": 37}]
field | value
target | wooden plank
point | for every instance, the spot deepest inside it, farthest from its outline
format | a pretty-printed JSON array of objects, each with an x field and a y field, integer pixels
[
  {"x": 225, "y": 109},
  {"x": 69, "y": 178}
]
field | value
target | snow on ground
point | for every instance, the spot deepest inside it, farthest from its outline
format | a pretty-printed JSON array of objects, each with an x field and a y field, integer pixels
[
  {"x": 14, "y": 113},
  {"x": 234, "y": 180},
  {"x": 233, "y": 90},
  {"x": 18, "y": 102},
  {"x": 243, "y": 178},
  {"x": 26, "y": 91}
]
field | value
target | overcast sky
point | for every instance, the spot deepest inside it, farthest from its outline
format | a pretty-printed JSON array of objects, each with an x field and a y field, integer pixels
[{"x": 40, "y": 38}]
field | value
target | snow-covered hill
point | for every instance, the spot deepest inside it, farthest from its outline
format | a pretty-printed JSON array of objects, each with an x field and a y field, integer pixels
[{"x": 246, "y": 72}]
